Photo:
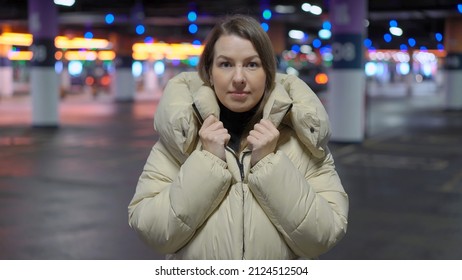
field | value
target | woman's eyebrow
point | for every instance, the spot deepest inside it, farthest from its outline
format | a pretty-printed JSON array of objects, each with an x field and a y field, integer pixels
[{"x": 228, "y": 58}]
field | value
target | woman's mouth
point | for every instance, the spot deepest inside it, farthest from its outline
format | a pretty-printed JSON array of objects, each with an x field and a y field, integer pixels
[{"x": 239, "y": 95}]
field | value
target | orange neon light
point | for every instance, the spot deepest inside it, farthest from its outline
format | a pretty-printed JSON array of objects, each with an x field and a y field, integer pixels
[
  {"x": 321, "y": 78},
  {"x": 80, "y": 55},
  {"x": 105, "y": 81},
  {"x": 58, "y": 55},
  {"x": 63, "y": 42},
  {"x": 20, "y": 55},
  {"x": 89, "y": 81},
  {"x": 106, "y": 55},
  {"x": 16, "y": 39}
]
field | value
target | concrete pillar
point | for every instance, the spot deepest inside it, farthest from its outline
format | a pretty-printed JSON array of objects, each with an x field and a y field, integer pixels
[
  {"x": 65, "y": 80},
  {"x": 150, "y": 83},
  {"x": 44, "y": 81},
  {"x": 453, "y": 63},
  {"x": 6, "y": 72},
  {"x": 123, "y": 86},
  {"x": 347, "y": 82}
]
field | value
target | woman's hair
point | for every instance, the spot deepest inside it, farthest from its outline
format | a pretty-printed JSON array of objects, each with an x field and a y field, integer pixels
[{"x": 247, "y": 28}]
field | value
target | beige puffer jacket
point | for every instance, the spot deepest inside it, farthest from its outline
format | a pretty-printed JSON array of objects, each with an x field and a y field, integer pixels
[{"x": 189, "y": 204}]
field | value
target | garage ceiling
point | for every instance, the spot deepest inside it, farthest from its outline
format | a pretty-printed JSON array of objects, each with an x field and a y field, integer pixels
[{"x": 167, "y": 21}]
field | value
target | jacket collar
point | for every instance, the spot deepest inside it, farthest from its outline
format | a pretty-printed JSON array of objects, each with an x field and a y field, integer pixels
[
  {"x": 187, "y": 102},
  {"x": 278, "y": 104}
]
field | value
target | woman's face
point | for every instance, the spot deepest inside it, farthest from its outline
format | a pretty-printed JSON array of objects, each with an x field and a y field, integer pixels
[{"x": 237, "y": 73}]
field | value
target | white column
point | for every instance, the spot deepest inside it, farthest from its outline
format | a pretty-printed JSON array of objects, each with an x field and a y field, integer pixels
[
  {"x": 45, "y": 96},
  {"x": 123, "y": 84},
  {"x": 6, "y": 81},
  {"x": 346, "y": 104},
  {"x": 347, "y": 82}
]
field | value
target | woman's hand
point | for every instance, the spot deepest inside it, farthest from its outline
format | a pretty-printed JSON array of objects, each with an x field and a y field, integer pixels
[
  {"x": 262, "y": 140},
  {"x": 214, "y": 136}
]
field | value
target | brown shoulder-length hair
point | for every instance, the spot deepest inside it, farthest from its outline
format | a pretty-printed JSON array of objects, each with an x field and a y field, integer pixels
[{"x": 248, "y": 28}]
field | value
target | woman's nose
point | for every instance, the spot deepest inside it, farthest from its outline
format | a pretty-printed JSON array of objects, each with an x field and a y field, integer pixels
[{"x": 239, "y": 75}]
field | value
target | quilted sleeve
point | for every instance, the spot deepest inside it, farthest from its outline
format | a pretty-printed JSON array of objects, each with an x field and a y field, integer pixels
[
  {"x": 309, "y": 210},
  {"x": 172, "y": 201}
]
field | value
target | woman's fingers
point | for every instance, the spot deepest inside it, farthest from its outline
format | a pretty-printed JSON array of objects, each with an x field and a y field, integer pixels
[
  {"x": 214, "y": 136},
  {"x": 262, "y": 140}
]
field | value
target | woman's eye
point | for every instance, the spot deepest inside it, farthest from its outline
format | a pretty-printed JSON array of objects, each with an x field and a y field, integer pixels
[
  {"x": 225, "y": 64},
  {"x": 252, "y": 65}
]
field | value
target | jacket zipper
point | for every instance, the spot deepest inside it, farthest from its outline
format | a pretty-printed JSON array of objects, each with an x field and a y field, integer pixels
[{"x": 240, "y": 164}]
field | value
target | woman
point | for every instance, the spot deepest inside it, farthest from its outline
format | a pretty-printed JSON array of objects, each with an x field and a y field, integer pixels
[{"x": 241, "y": 169}]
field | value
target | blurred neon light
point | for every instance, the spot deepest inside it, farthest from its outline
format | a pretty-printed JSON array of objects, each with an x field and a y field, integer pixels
[
  {"x": 80, "y": 55},
  {"x": 89, "y": 55},
  {"x": 316, "y": 10},
  {"x": 396, "y": 31},
  {"x": 296, "y": 34},
  {"x": 109, "y": 18},
  {"x": 317, "y": 43},
  {"x": 411, "y": 42},
  {"x": 159, "y": 67},
  {"x": 324, "y": 34},
  {"x": 137, "y": 68},
  {"x": 387, "y": 37},
  {"x": 62, "y": 42},
  {"x": 143, "y": 51},
  {"x": 370, "y": 69},
  {"x": 438, "y": 37},
  {"x": 75, "y": 68},
  {"x": 367, "y": 43},
  {"x": 20, "y": 55},
  {"x": 17, "y": 39},
  {"x": 192, "y": 16},
  {"x": 106, "y": 55},
  {"x": 393, "y": 23},
  {"x": 403, "y": 68},
  {"x": 321, "y": 78},
  {"x": 140, "y": 29},
  {"x": 267, "y": 14},
  {"x": 67, "y": 3}
]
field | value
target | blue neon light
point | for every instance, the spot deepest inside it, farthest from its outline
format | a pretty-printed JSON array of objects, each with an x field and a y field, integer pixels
[
  {"x": 109, "y": 18},
  {"x": 267, "y": 14},
  {"x": 140, "y": 29},
  {"x": 387, "y": 37},
  {"x": 192, "y": 28},
  {"x": 367, "y": 43},
  {"x": 316, "y": 43},
  {"x": 192, "y": 16},
  {"x": 439, "y": 37}
]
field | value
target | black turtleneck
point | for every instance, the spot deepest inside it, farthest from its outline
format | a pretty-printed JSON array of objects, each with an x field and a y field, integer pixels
[{"x": 235, "y": 123}]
